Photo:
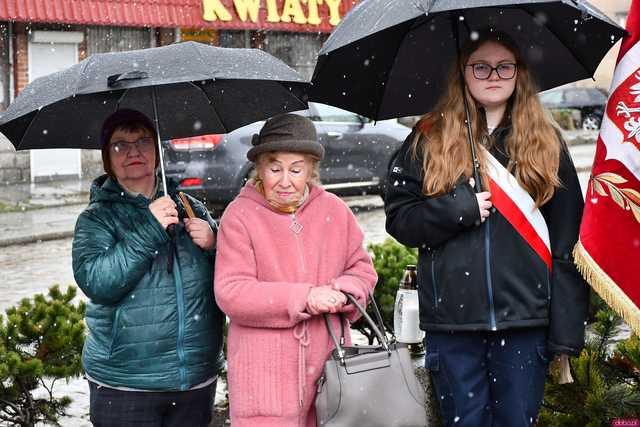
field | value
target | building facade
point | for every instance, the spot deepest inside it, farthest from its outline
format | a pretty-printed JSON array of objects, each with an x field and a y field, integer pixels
[
  {"x": 616, "y": 10},
  {"x": 38, "y": 37}
]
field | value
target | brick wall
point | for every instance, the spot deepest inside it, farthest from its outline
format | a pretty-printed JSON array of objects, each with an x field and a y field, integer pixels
[
  {"x": 14, "y": 166},
  {"x": 20, "y": 57}
]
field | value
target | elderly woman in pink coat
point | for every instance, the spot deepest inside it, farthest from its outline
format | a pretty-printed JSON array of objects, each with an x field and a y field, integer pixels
[{"x": 287, "y": 253}]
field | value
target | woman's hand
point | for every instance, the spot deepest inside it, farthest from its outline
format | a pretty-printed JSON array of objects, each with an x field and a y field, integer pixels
[
  {"x": 561, "y": 365},
  {"x": 165, "y": 211},
  {"x": 323, "y": 299},
  {"x": 200, "y": 232},
  {"x": 484, "y": 204}
]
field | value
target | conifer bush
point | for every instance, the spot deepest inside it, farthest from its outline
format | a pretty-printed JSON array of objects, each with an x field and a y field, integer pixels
[
  {"x": 389, "y": 260},
  {"x": 606, "y": 380},
  {"x": 41, "y": 342}
]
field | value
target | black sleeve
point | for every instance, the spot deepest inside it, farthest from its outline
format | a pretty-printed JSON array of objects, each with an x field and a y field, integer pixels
[
  {"x": 569, "y": 291},
  {"x": 415, "y": 219},
  {"x": 201, "y": 211}
]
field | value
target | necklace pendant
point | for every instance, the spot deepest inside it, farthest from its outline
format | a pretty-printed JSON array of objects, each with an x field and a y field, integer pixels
[{"x": 295, "y": 226}]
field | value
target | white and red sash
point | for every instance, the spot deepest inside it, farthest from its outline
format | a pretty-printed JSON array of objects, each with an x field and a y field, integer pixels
[{"x": 519, "y": 208}]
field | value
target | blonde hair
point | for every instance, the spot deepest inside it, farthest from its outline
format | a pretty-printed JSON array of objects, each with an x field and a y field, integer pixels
[
  {"x": 532, "y": 143},
  {"x": 263, "y": 158}
]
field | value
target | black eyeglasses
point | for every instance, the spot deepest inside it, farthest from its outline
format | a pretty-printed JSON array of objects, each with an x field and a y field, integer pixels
[
  {"x": 482, "y": 71},
  {"x": 143, "y": 144}
]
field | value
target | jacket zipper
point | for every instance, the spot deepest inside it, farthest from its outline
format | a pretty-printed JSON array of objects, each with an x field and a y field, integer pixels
[
  {"x": 296, "y": 227},
  {"x": 487, "y": 261},
  {"x": 549, "y": 292},
  {"x": 181, "y": 322},
  {"x": 433, "y": 279}
]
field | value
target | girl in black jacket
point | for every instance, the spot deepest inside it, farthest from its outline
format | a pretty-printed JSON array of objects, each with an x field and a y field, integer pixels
[{"x": 498, "y": 289}]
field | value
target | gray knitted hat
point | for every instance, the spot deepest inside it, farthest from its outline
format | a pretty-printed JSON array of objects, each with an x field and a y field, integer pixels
[{"x": 286, "y": 132}]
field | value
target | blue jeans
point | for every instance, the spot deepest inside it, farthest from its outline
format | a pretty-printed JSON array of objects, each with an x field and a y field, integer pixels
[{"x": 488, "y": 379}]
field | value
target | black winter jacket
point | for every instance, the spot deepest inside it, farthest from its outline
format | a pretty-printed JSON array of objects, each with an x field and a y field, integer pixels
[{"x": 476, "y": 276}]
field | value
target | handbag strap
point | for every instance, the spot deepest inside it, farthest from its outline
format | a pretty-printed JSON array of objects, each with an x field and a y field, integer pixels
[
  {"x": 378, "y": 329},
  {"x": 333, "y": 336},
  {"x": 376, "y": 311},
  {"x": 326, "y": 320}
]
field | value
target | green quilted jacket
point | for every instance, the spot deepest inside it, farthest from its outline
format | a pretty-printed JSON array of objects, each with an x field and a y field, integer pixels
[{"x": 148, "y": 329}]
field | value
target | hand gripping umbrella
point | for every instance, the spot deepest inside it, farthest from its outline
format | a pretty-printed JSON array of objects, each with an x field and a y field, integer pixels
[
  {"x": 390, "y": 58},
  {"x": 188, "y": 89}
]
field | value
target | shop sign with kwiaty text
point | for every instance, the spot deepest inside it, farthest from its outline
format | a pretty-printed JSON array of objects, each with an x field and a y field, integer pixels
[{"x": 283, "y": 15}]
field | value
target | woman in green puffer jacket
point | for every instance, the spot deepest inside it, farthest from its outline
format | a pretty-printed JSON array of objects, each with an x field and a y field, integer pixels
[{"x": 155, "y": 332}]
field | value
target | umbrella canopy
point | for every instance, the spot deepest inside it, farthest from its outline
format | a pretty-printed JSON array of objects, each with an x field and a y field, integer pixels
[
  {"x": 390, "y": 58},
  {"x": 190, "y": 88}
]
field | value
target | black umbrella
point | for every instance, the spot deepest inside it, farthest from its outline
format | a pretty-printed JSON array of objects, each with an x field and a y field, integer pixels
[
  {"x": 390, "y": 58},
  {"x": 188, "y": 89}
]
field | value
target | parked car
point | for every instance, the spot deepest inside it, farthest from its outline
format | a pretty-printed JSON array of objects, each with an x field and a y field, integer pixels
[
  {"x": 590, "y": 102},
  {"x": 213, "y": 168}
]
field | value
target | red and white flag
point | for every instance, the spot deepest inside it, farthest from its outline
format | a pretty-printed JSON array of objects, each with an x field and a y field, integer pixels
[{"x": 608, "y": 251}]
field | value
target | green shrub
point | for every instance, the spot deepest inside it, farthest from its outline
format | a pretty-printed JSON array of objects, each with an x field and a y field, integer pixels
[
  {"x": 41, "y": 341},
  {"x": 565, "y": 118},
  {"x": 389, "y": 259},
  {"x": 606, "y": 380}
]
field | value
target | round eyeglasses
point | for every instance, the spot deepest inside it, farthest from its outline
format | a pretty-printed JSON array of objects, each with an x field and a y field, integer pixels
[
  {"x": 482, "y": 71},
  {"x": 144, "y": 144}
]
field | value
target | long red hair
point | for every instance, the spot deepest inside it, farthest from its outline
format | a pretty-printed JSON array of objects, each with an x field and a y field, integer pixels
[{"x": 532, "y": 143}]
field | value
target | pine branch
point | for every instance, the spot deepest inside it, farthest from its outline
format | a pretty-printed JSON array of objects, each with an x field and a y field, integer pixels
[
  {"x": 49, "y": 390},
  {"x": 554, "y": 408},
  {"x": 16, "y": 410},
  {"x": 29, "y": 399}
]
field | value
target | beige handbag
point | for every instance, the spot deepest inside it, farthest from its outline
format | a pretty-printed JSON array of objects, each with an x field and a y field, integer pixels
[{"x": 373, "y": 386}]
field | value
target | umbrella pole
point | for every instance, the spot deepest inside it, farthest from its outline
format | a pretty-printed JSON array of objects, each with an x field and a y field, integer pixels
[
  {"x": 159, "y": 142},
  {"x": 465, "y": 100},
  {"x": 171, "y": 228},
  {"x": 474, "y": 155}
]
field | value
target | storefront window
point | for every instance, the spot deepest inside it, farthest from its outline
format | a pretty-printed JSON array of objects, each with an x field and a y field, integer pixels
[
  {"x": 298, "y": 50},
  {"x": 117, "y": 39},
  {"x": 241, "y": 39}
]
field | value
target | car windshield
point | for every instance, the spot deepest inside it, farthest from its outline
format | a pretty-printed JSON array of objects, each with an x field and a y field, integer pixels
[
  {"x": 597, "y": 97},
  {"x": 578, "y": 97},
  {"x": 328, "y": 113},
  {"x": 553, "y": 97}
]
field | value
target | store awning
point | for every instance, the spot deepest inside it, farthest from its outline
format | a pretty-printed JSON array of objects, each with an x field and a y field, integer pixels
[{"x": 306, "y": 15}]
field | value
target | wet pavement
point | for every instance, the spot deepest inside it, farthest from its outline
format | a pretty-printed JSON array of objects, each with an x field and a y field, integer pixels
[{"x": 35, "y": 253}]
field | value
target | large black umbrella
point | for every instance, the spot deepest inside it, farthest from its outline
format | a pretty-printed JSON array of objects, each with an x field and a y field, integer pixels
[
  {"x": 187, "y": 88},
  {"x": 390, "y": 58}
]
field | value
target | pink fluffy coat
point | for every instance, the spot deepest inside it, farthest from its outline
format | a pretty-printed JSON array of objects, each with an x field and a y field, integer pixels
[{"x": 264, "y": 271}]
